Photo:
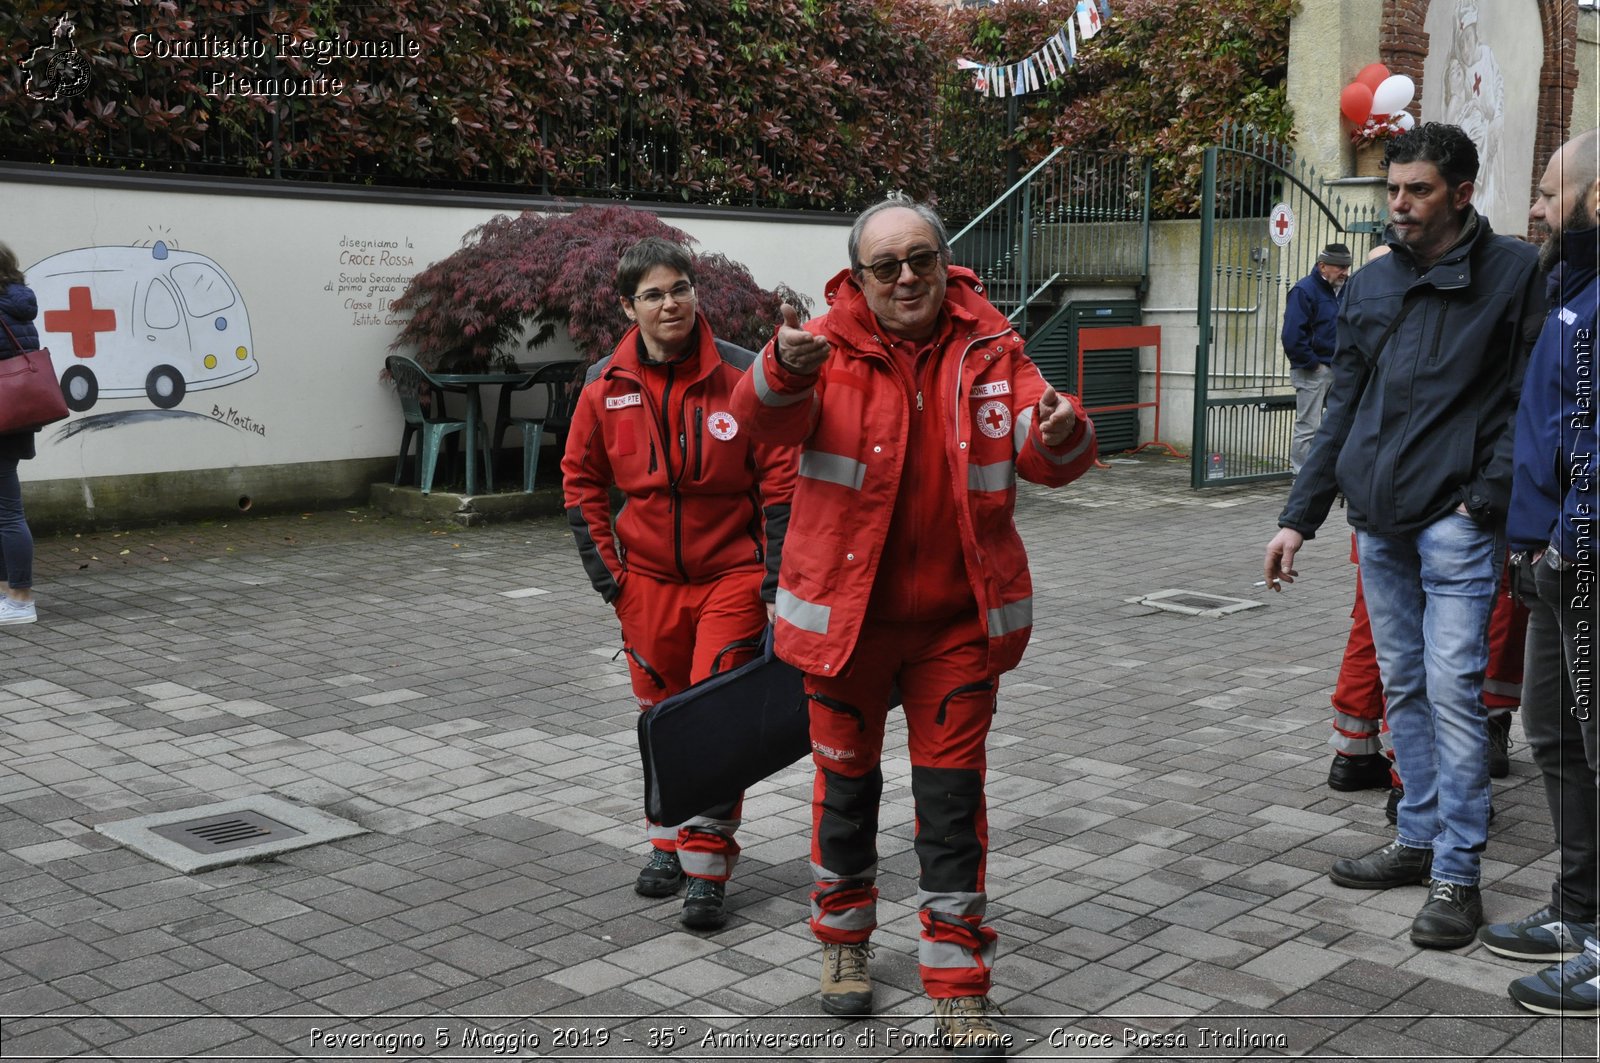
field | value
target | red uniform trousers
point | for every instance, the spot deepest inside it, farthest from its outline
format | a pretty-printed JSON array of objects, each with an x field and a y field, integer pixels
[
  {"x": 1359, "y": 726},
  {"x": 941, "y": 669},
  {"x": 675, "y": 634}
]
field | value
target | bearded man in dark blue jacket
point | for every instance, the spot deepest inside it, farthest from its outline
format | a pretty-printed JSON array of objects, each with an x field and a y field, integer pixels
[
  {"x": 1433, "y": 342},
  {"x": 1555, "y": 500},
  {"x": 1310, "y": 319}
]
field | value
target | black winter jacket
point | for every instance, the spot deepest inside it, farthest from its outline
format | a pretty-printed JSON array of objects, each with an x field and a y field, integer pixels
[
  {"x": 1425, "y": 424},
  {"x": 19, "y": 308}
]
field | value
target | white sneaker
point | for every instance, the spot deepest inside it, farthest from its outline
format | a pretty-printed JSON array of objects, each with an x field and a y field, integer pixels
[{"x": 15, "y": 612}]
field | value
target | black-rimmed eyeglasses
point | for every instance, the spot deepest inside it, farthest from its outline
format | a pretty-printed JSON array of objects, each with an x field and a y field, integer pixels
[
  {"x": 887, "y": 270},
  {"x": 681, "y": 292}
]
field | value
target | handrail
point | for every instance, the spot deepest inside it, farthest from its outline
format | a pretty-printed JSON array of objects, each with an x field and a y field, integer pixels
[
  {"x": 1006, "y": 195},
  {"x": 1031, "y": 296}
]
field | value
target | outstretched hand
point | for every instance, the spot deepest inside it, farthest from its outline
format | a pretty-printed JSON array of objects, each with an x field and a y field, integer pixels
[
  {"x": 798, "y": 350},
  {"x": 1057, "y": 418}
]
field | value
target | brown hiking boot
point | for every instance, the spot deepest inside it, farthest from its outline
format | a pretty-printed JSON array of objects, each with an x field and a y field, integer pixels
[
  {"x": 846, "y": 982},
  {"x": 962, "y": 1025}
]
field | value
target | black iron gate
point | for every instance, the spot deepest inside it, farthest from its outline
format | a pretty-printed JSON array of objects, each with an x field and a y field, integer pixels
[{"x": 1262, "y": 222}]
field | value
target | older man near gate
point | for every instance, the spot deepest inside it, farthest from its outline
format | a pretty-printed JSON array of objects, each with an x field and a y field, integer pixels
[
  {"x": 916, "y": 410},
  {"x": 1310, "y": 315}
]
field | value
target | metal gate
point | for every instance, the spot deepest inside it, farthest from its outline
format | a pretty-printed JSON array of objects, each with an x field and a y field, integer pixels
[{"x": 1262, "y": 222}]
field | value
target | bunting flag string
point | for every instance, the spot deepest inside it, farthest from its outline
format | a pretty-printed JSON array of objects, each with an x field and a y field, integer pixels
[{"x": 1048, "y": 63}]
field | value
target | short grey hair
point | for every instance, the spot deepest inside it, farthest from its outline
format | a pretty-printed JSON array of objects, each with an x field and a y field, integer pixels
[{"x": 904, "y": 202}]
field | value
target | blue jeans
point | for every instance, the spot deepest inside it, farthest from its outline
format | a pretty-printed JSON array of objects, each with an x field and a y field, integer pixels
[
  {"x": 1429, "y": 594},
  {"x": 16, "y": 542}
]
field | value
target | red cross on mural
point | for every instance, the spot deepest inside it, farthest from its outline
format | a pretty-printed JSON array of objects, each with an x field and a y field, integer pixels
[
  {"x": 1281, "y": 223},
  {"x": 1477, "y": 84},
  {"x": 81, "y": 320},
  {"x": 995, "y": 419}
]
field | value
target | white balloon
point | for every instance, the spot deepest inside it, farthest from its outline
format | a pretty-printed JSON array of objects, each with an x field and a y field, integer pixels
[
  {"x": 1393, "y": 94},
  {"x": 1404, "y": 120}
]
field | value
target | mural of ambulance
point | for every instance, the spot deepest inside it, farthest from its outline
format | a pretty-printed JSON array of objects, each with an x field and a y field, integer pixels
[{"x": 128, "y": 321}]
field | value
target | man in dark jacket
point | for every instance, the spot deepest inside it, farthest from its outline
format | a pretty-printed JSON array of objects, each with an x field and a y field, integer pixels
[
  {"x": 1309, "y": 333},
  {"x": 1555, "y": 498},
  {"x": 1433, "y": 341}
]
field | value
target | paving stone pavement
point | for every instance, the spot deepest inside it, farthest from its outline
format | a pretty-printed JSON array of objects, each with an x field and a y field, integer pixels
[{"x": 1159, "y": 822}]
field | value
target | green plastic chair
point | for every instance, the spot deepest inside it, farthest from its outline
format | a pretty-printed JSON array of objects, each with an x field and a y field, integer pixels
[
  {"x": 560, "y": 399},
  {"x": 415, "y": 387}
]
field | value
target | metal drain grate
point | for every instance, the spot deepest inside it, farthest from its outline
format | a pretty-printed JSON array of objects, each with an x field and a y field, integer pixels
[
  {"x": 216, "y": 834},
  {"x": 228, "y": 832},
  {"x": 1194, "y": 603}
]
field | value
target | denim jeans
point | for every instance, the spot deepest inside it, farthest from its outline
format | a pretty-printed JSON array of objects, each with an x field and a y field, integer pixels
[
  {"x": 1559, "y": 718},
  {"x": 1429, "y": 594},
  {"x": 16, "y": 542},
  {"x": 1310, "y": 396}
]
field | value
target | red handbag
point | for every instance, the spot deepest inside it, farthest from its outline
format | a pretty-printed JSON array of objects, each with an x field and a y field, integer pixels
[{"x": 30, "y": 396}]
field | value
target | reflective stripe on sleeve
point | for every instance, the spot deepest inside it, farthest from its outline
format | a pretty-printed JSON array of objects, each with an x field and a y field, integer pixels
[
  {"x": 1019, "y": 430},
  {"x": 808, "y": 616},
  {"x": 765, "y": 391},
  {"x": 997, "y": 477},
  {"x": 1013, "y": 616},
  {"x": 832, "y": 468}
]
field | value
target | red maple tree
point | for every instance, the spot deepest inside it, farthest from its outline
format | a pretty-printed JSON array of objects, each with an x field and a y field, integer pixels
[{"x": 541, "y": 272}]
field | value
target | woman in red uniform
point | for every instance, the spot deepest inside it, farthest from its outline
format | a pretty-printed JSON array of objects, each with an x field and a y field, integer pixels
[{"x": 690, "y": 561}]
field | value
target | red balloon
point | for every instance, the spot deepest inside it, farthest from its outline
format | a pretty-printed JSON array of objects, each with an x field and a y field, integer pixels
[
  {"x": 1355, "y": 102},
  {"x": 1372, "y": 75}
]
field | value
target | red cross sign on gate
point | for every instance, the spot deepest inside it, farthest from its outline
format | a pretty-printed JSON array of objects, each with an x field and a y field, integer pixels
[{"x": 1280, "y": 225}]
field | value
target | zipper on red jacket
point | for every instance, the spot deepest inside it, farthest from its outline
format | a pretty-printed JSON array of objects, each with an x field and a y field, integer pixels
[
  {"x": 699, "y": 439},
  {"x": 674, "y": 498}
]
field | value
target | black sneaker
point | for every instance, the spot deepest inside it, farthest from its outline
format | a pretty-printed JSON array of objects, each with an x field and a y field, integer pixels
[
  {"x": 661, "y": 877},
  {"x": 703, "y": 907},
  {"x": 1450, "y": 917},
  {"x": 1393, "y": 865},
  {"x": 1499, "y": 727},
  {"x": 1544, "y": 935},
  {"x": 1366, "y": 771},
  {"x": 1571, "y": 990}
]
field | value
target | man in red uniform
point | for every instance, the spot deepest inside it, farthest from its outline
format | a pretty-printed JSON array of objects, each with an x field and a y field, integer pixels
[
  {"x": 917, "y": 411},
  {"x": 691, "y": 559}
]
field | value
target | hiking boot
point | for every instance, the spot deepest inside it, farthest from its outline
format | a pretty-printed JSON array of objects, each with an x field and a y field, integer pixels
[
  {"x": 703, "y": 905},
  {"x": 1393, "y": 865},
  {"x": 846, "y": 981},
  {"x": 1450, "y": 917},
  {"x": 1544, "y": 935},
  {"x": 1571, "y": 990},
  {"x": 1365, "y": 771},
  {"x": 1499, "y": 727},
  {"x": 661, "y": 877},
  {"x": 15, "y": 612},
  {"x": 962, "y": 1025}
]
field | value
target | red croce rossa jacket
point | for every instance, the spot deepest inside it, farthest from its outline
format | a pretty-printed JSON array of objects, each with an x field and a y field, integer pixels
[
  {"x": 854, "y": 420},
  {"x": 703, "y": 499}
]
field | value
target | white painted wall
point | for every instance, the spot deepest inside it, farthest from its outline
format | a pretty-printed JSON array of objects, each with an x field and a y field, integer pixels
[{"x": 297, "y": 263}]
